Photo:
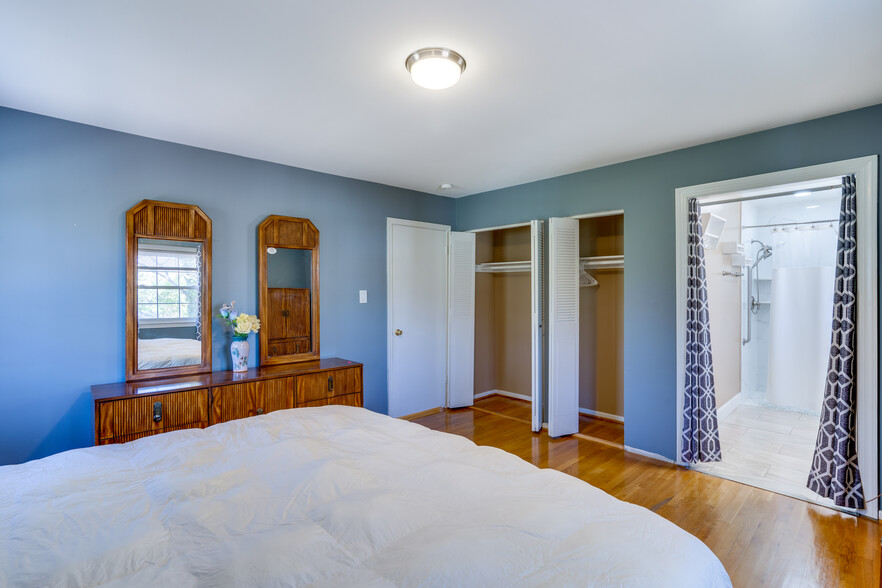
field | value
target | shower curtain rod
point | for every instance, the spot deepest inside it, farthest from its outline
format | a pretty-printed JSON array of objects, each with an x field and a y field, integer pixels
[
  {"x": 761, "y": 196},
  {"x": 817, "y": 222}
]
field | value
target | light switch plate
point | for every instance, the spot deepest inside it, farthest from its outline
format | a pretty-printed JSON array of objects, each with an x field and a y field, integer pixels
[{"x": 362, "y": 296}]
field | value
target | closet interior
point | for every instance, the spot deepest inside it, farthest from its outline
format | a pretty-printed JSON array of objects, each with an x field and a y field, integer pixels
[
  {"x": 601, "y": 316},
  {"x": 504, "y": 330}
]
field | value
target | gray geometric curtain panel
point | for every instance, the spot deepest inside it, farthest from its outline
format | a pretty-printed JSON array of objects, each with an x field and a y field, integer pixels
[
  {"x": 701, "y": 437},
  {"x": 834, "y": 472}
]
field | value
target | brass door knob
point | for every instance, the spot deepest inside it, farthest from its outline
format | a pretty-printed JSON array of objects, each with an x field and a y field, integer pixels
[
  {"x": 398, "y": 332},
  {"x": 259, "y": 411}
]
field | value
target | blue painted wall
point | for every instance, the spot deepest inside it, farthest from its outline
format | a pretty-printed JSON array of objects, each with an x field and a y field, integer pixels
[
  {"x": 64, "y": 192},
  {"x": 644, "y": 188}
]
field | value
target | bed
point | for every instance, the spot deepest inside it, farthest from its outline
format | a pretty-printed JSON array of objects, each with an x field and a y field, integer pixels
[
  {"x": 168, "y": 352},
  {"x": 330, "y": 496}
]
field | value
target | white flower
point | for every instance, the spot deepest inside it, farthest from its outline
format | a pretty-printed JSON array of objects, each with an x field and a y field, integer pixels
[{"x": 246, "y": 323}]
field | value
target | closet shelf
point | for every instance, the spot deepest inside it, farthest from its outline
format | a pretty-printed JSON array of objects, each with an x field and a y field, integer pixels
[
  {"x": 603, "y": 262},
  {"x": 496, "y": 267}
]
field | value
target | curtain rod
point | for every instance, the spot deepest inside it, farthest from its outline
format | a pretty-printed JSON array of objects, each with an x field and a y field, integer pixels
[
  {"x": 817, "y": 222},
  {"x": 761, "y": 196}
]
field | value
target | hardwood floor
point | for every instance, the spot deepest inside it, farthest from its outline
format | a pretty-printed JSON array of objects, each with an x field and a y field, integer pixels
[{"x": 762, "y": 538}]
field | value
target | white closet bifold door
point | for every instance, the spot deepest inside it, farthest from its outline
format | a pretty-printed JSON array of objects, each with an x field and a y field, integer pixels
[
  {"x": 461, "y": 320},
  {"x": 563, "y": 326},
  {"x": 537, "y": 284}
]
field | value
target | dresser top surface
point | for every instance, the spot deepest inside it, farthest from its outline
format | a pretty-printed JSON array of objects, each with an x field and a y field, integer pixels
[{"x": 212, "y": 379}]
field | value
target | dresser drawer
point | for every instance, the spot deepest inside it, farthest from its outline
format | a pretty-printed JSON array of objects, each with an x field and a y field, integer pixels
[
  {"x": 322, "y": 385},
  {"x": 348, "y": 400},
  {"x": 118, "y": 421},
  {"x": 238, "y": 401}
]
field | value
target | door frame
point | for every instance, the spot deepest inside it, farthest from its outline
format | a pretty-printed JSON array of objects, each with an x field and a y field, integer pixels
[
  {"x": 390, "y": 222},
  {"x": 865, "y": 170},
  {"x": 537, "y": 331},
  {"x": 621, "y": 419}
]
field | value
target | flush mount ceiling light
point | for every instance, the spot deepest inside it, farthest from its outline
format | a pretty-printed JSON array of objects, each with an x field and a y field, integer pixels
[{"x": 435, "y": 68}]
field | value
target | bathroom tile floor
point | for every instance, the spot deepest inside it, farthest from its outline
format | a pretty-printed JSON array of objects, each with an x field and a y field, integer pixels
[{"x": 769, "y": 448}]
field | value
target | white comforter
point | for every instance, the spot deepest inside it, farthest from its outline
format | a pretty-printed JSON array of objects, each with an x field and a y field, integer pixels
[
  {"x": 168, "y": 352},
  {"x": 331, "y": 496}
]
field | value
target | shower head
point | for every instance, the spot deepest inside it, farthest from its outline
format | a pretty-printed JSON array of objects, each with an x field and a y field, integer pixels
[{"x": 765, "y": 250}]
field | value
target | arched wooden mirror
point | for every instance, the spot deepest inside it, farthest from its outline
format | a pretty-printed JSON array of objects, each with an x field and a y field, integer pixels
[
  {"x": 288, "y": 280},
  {"x": 168, "y": 290}
]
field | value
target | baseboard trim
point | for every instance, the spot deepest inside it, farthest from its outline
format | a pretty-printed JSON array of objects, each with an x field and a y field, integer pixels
[
  {"x": 649, "y": 454},
  {"x": 602, "y": 415},
  {"x": 416, "y": 415},
  {"x": 730, "y": 406},
  {"x": 504, "y": 393}
]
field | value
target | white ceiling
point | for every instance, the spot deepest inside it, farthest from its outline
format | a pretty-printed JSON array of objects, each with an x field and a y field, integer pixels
[{"x": 551, "y": 87}]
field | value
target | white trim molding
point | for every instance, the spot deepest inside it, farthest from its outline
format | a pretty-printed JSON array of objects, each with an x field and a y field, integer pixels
[
  {"x": 865, "y": 170},
  {"x": 603, "y": 415}
]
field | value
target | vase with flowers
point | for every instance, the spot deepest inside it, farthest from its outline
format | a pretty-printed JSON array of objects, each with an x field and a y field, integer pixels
[{"x": 243, "y": 325}]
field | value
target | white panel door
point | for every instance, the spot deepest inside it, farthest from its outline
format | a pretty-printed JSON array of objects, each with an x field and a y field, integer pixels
[
  {"x": 416, "y": 268},
  {"x": 563, "y": 326},
  {"x": 537, "y": 283},
  {"x": 461, "y": 320}
]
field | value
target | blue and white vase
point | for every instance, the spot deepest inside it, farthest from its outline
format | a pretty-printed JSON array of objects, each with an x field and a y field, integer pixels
[{"x": 239, "y": 351}]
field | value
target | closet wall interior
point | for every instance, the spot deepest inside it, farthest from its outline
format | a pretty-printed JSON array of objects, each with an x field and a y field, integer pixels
[
  {"x": 601, "y": 317},
  {"x": 503, "y": 312}
]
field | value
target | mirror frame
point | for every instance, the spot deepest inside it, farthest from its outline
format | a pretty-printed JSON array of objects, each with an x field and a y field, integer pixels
[
  {"x": 153, "y": 219},
  {"x": 287, "y": 232}
]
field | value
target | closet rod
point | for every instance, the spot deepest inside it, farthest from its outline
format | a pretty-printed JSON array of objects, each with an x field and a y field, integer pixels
[
  {"x": 603, "y": 261},
  {"x": 504, "y": 267},
  {"x": 817, "y": 222}
]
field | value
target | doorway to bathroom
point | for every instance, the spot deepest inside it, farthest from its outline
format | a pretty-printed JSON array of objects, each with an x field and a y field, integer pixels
[{"x": 770, "y": 255}]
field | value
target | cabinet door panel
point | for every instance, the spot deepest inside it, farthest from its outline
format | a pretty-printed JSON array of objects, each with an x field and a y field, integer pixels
[
  {"x": 276, "y": 323},
  {"x": 235, "y": 401},
  {"x": 311, "y": 387},
  {"x": 276, "y": 394},
  {"x": 323, "y": 402},
  {"x": 298, "y": 313},
  {"x": 345, "y": 381},
  {"x": 131, "y": 416}
]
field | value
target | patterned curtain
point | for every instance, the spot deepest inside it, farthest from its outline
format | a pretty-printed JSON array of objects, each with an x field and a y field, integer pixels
[
  {"x": 701, "y": 438},
  {"x": 834, "y": 472},
  {"x": 199, "y": 263}
]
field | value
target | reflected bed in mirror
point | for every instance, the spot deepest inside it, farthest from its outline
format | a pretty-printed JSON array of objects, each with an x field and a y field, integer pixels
[
  {"x": 288, "y": 284},
  {"x": 168, "y": 321},
  {"x": 169, "y": 317}
]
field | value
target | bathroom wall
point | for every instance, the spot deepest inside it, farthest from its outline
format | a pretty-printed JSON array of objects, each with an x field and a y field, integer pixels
[{"x": 724, "y": 303}]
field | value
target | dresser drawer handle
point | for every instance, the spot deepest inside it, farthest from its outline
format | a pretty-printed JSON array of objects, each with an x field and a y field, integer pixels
[
  {"x": 259, "y": 411},
  {"x": 330, "y": 383},
  {"x": 157, "y": 411}
]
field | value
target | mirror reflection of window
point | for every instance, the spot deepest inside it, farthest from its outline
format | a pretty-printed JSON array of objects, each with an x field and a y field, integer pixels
[
  {"x": 169, "y": 303},
  {"x": 289, "y": 289}
]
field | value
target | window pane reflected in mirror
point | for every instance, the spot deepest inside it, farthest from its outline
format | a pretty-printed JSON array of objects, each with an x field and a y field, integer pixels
[{"x": 168, "y": 300}]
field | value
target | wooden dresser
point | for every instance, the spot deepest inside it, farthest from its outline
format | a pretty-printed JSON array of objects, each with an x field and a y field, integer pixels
[{"x": 130, "y": 410}]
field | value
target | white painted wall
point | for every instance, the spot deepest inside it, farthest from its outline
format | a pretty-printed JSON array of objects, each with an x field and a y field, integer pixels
[{"x": 724, "y": 302}]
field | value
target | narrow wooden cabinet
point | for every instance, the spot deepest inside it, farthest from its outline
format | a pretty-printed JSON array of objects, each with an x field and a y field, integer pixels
[
  {"x": 288, "y": 327},
  {"x": 128, "y": 411}
]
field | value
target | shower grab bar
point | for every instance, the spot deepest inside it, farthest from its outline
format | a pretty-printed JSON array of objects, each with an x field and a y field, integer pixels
[{"x": 749, "y": 295}]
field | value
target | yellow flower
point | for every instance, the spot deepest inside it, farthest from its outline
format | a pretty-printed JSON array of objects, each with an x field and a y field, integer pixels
[{"x": 247, "y": 323}]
